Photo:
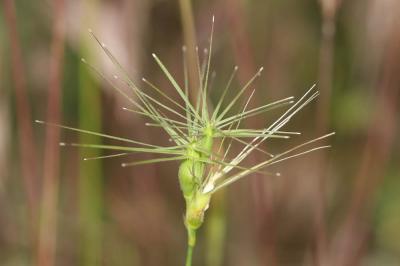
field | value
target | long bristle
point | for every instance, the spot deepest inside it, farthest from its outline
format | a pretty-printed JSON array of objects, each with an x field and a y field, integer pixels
[{"x": 186, "y": 122}]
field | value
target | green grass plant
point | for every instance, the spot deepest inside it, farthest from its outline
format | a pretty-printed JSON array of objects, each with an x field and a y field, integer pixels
[{"x": 201, "y": 136}]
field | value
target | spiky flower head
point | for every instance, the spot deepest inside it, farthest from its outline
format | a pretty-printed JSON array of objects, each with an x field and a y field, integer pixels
[{"x": 202, "y": 136}]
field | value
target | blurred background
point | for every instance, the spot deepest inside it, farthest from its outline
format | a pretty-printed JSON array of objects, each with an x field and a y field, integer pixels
[{"x": 337, "y": 207}]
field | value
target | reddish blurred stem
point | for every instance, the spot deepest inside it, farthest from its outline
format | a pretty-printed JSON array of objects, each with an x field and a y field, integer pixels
[
  {"x": 240, "y": 40},
  {"x": 325, "y": 81},
  {"x": 189, "y": 35},
  {"x": 381, "y": 135},
  {"x": 24, "y": 120},
  {"x": 263, "y": 198},
  {"x": 49, "y": 202},
  {"x": 325, "y": 78}
]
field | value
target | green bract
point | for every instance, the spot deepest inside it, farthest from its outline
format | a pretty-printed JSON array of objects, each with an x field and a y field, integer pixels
[{"x": 202, "y": 137}]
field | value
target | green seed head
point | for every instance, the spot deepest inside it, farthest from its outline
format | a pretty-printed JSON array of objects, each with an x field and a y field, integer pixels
[
  {"x": 192, "y": 127},
  {"x": 191, "y": 177},
  {"x": 206, "y": 143},
  {"x": 190, "y": 171}
]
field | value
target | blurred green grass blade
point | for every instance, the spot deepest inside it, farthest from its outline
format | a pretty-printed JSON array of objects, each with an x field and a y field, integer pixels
[
  {"x": 215, "y": 231},
  {"x": 90, "y": 173}
]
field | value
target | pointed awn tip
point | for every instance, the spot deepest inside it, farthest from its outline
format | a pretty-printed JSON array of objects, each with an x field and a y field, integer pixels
[
  {"x": 39, "y": 121},
  {"x": 329, "y": 134}
]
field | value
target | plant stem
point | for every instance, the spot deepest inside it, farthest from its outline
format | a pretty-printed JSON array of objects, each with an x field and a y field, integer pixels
[
  {"x": 190, "y": 247},
  {"x": 189, "y": 255},
  {"x": 189, "y": 36},
  {"x": 216, "y": 231},
  {"x": 90, "y": 175},
  {"x": 47, "y": 235},
  {"x": 27, "y": 147}
]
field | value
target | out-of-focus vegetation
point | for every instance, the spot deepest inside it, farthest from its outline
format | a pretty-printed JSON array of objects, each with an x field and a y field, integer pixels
[{"x": 340, "y": 207}]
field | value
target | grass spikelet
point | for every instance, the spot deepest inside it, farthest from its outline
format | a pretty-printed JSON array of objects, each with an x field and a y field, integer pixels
[{"x": 201, "y": 136}]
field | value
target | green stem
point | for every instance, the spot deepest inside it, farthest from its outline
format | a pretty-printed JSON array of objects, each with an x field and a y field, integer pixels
[
  {"x": 189, "y": 255},
  {"x": 190, "y": 246}
]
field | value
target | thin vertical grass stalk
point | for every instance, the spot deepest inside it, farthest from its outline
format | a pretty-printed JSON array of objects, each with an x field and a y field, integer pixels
[
  {"x": 329, "y": 9},
  {"x": 245, "y": 56},
  {"x": 90, "y": 174},
  {"x": 216, "y": 231},
  {"x": 200, "y": 137},
  {"x": 189, "y": 36},
  {"x": 377, "y": 151},
  {"x": 25, "y": 132},
  {"x": 49, "y": 201}
]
